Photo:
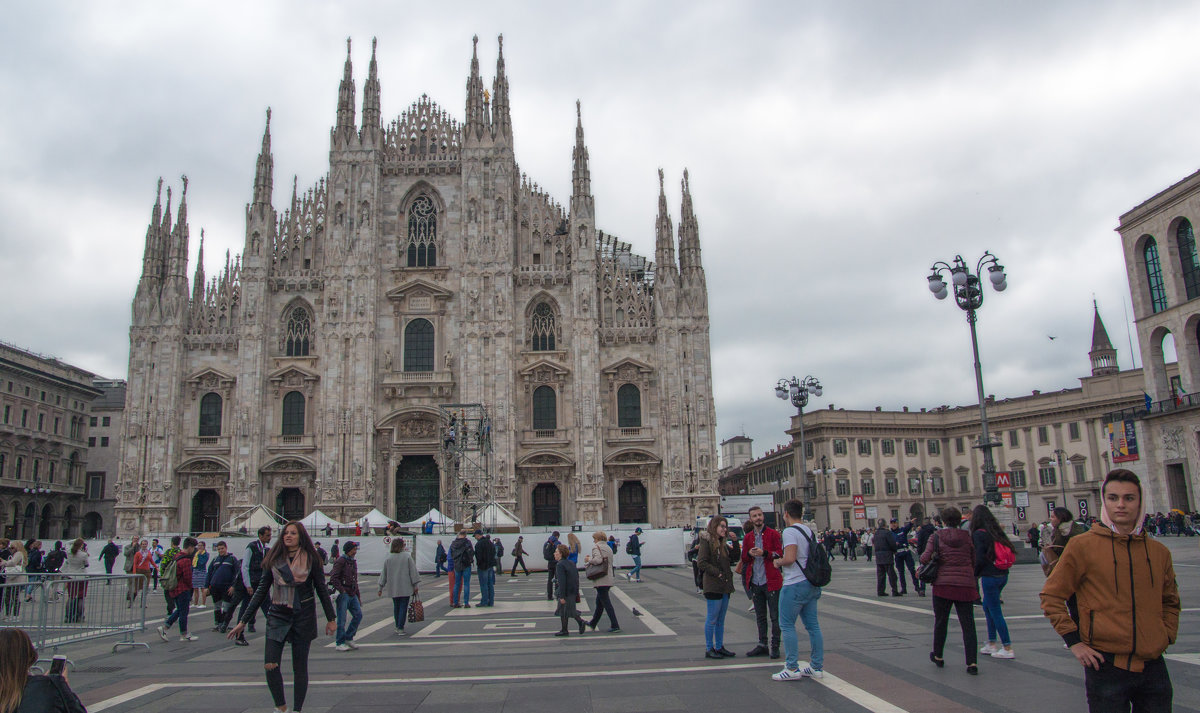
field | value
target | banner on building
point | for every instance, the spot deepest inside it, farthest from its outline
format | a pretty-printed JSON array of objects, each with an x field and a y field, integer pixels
[{"x": 1122, "y": 441}]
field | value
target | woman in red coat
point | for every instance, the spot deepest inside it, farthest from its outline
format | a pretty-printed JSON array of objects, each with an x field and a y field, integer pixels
[{"x": 954, "y": 587}]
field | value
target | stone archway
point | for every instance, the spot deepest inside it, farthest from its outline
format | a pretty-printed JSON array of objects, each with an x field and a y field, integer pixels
[
  {"x": 206, "y": 511},
  {"x": 632, "y": 471},
  {"x": 44, "y": 525},
  {"x": 540, "y": 473},
  {"x": 93, "y": 526},
  {"x": 546, "y": 503},
  {"x": 289, "y": 486},
  {"x": 631, "y": 502}
]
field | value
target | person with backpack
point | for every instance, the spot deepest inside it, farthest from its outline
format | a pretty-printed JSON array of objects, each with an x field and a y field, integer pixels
[
  {"x": 805, "y": 568},
  {"x": 633, "y": 548},
  {"x": 499, "y": 556},
  {"x": 462, "y": 556},
  {"x": 548, "y": 548},
  {"x": 439, "y": 560},
  {"x": 715, "y": 560},
  {"x": 176, "y": 579},
  {"x": 168, "y": 557},
  {"x": 252, "y": 572},
  {"x": 994, "y": 555},
  {"x": 53, "y": 563},
  {"x": 954, "y": 587}
]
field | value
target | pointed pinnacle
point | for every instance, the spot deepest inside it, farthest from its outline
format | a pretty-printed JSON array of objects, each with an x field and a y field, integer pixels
[
  {"x": 661, "y": 188},
  {"x": 185, "y": 182},
  {"x": 374, "y": 41}
]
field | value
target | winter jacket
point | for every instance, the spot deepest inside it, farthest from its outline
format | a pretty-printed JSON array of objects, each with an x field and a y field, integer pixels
[
  {"x": 1125, "y": 589},
  {"x": 301, "y": 622},
  {"x": 48, "y": 694},
  {"x": 440, "y": 555},
  {"x": 461, "y": 553},
  {"x": 222, "y": 571},
  {"x": 344, "y": 576},
  {"x": 956, "y": 552},
  {"x": 923, "y": 535},
  {"x": 129, "y": 551},
  {"x": 109, "y": 552},
  {"x": 884, "y": 543},
  {"x": 772, "y": 544},
  {"x": 399, "y": 576},
  {"x": 714, "y": 561},
  {"x": 601, "y": 554},
  {"x": 485, "y": 553},
  {"x": 77, "y": 563},
  {"x": 566, "y": 580}
]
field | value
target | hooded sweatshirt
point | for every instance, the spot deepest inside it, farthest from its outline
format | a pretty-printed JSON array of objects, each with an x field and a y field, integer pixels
[{"x": 1126, "y": 592}]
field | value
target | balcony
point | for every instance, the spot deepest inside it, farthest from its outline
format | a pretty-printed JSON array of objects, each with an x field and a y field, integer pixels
[
  {"x": 292, "y": 443},
  {"x": 544, "y": 437},
  {"x": 402, "y": 384},
  {"x": 208, "y": 444},
  {"x": 630, "y": 434}
]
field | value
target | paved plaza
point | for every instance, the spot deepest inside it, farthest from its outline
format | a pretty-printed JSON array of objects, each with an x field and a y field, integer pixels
[{"x": 506, "y": 659}]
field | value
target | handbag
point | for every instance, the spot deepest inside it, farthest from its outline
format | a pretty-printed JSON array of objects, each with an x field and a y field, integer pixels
[
  {"x": 928, "y": 572},
  {"x": 595, "y": 571},
  {"x": 416, "y": 610}
]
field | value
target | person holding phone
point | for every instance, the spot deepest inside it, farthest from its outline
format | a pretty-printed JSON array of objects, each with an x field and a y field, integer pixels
[{"x": 23, "y": 693}]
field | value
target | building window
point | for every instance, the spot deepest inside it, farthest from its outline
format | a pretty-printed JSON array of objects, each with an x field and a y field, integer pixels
[
  {"x": 92, "y": 421},
  {"x": 959, "y": 446},
  {"x": 545, "y": 412},
  {"x": 210, "y": 415},
  {"x": 1018, "y": 477},
  {"x": 1046, "y": 475},
  {"x": 422, "y": 233},
  {"x": 888, "y": 447},
  {"x": 1154, "y": 276},
  {"x": 839, "y": 446},
  {"x": 914, "y": 485},
  {"x": 808, "y": 450},
  {"x": 868, "y": 486},
  {"x": 1080, "y": 472},
  {"x": 298, "y": 332},
  {"x": 843, "y": 487},
  {"x": 7, "y": 414},
  {"x": 1043, "y": 435},
  {"x": 41, "y": 422},
  {"x": 895, "y": 513},
  {"x": 56, "y": 424},
  {"x": 104, "y": 441},
  {"x": 24, "y": 418},
  {"x": 629, "y": 406},
  {"x": 106, "y": 421},
  {"x": 910, "y": 447},
  {"x": 20, "y": 467},
  {"x": 864, "y": 446},
  {"x": 1, "y": 465},
  {"x": 1186, "y": 241},
  {"x": 1013, "y": 438},
  {"x": 938, "y": 484},
  {"x": 542, "y": 328},
  {"x": 418, "y": 345},
  {"x": 964, "y": 483},
  {"x": 1073, "y": 430},
  {"x": 935, "y": 446},
  {"x": 91, "y": 441},
  {"x": 293, "y": 414},
  {"x": 892, "y": 485},
  {"x": 95, "y": 486}
]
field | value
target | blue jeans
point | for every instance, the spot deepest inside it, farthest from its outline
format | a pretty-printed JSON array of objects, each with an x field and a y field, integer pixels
[
  {"x": 800, "y": 599},
  {"x": 400, "y": 611},
  {"x": 487, "y": 587},
  {"x": 183, "y": 602},
  {"x": 991, "y": 587},
  {"x": 462, "y": 581},
  {"x": 439, "y": 567},
  {"x": 347, "y": 603},
  {"x": 714, "y": 623},
  {"x": 637, "y": 569}
]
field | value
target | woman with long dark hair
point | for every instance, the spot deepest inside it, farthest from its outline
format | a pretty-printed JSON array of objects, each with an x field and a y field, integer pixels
[
  {"x": 954, "y": 587},
  {"x": 22, "y": 693},
  {"x": 714, "y": 560},
  {"x": 294, "y": 579},
  {"x": 986, "y": 533}
]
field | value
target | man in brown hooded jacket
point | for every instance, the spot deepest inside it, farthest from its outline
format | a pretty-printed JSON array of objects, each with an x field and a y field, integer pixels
[{"x": 1128, "y": 602}]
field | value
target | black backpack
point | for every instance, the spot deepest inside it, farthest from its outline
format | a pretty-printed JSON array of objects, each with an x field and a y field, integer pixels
[
  {"x": 817, "y": 569},
  {"x": 548, "y": 550},
  {"x": 53, "y": 562}
]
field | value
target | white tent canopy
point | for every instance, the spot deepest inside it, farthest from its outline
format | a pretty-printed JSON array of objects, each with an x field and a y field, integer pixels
[
  {"x": 317, "y": 520},
  {"x": 375, "y": 518},
  {"x": 251, "y": 519},
  {"x": 496, "y": 515},
  {"x": 434, "y": 515}
]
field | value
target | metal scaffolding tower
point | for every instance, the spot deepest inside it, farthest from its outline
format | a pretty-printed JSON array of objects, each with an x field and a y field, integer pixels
[{"x": 466, "y": 439}]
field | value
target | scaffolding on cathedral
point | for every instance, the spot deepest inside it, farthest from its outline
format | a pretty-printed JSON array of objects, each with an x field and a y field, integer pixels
[{"x": 466, "y": 438}]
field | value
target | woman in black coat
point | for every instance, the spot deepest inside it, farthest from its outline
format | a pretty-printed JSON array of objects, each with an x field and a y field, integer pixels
[
  {"x": 566, "y": 581},
  {"x": 294, "y": 579}
]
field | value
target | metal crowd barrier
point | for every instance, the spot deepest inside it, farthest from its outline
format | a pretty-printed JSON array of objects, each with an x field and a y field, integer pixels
[{"x": 62, "y": 609}]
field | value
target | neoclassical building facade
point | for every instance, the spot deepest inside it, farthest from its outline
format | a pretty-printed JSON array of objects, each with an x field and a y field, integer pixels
[{"x": 424, "y": 269}]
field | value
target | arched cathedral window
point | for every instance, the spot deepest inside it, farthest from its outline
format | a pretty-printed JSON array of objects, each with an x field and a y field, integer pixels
[
  {"x": 210, "y": 415},
  {"x": 1186, "y": 241},
  {"x": 542, "y": 328},
  {"x": 293, "y": 414},
  {"x": 418, "y": 346},
  {"x": 545, "y": 409},
  {"x": 298, "y": 332},
  {"x": 422, "y": 233},
  {"x": 629, "y": 406}
]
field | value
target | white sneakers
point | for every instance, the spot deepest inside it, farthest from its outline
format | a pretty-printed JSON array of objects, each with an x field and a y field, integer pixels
[
  {"x": 1004, "y": 654},
  {"x": 162, "y": 633},
  {"x": 342, "y": 647},
  {"x": 989, "y": 648},
  {"x": 997, "y": 652},
  {"x": 189, "y": 637},
  {"x": 351, "y": 644},
  {"x": 793, "y": 674},
  {"x": 347, "y": 646}
]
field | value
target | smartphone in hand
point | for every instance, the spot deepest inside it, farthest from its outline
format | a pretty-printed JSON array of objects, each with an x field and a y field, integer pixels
[{"x": 58, "y": 665}]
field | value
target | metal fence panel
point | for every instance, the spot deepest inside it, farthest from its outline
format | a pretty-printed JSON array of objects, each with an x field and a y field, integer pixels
[{"x": 62, "y": 609}]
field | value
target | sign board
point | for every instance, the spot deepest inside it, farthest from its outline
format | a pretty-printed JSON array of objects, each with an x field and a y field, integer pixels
[
  {"x": 1021, "y": 498},
  {"x": 1007, "y": 498},
  {"x": 1083, "y": 509},
  {"x": 1003, "y": 480},
  {"x": 872, "y": 513},
  {"x": 860, "y": 513},
  {"x": 858, "y": 501},
  {"x": 1050, "y": 505},
  {"x": 1020, "y": 512},
  {"x": 1122, "y": 441},
  {"x": 736, "y": 504}
]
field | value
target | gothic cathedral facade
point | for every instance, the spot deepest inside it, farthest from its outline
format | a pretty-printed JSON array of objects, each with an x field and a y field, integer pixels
[{"x": 425, "y": 269}]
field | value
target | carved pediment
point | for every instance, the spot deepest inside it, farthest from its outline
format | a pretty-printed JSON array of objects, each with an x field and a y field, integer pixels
[
  {"x": 634, "y": 457},
  {"x": 210, "y": 379},
  {"x": 419, "y": 287},
  {"x": 627, "y": 369},
  {"x": 545, "y": 460},
  {"x": 544, "y": 370},
  {"x": 289, "y": 465},
  {"x": 203, "y": 465},
  {"x": 292, "y": 377}
]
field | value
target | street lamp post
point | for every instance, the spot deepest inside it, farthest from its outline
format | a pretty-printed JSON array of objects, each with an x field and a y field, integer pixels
[
  {"x": 968, "y": 295},
  {"x": 1061, "y": 457},
  {"x": 924, "y": 501},
  {"x": 825, "y": 473},
  {"x": 797, "y": 390}
]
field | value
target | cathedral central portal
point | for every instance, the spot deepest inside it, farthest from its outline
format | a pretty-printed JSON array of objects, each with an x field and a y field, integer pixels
[{"x": 417, "y": 487}]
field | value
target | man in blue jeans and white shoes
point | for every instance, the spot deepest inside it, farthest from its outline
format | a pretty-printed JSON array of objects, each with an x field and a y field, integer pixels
[
  {"x": 798, "y": 598},
  {"x": 344, "y": 579}
]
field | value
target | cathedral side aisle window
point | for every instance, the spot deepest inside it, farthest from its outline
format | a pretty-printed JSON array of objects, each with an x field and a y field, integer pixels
[
  {"x": 542, "y": 328},
  {"x": 299, "y": 332},
  {"x": 422, "y": 233}
]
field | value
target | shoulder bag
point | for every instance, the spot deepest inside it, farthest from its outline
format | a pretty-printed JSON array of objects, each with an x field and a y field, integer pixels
[
  {"x": 596, "y": 571},
  {"x": 928, "y": 572},
  {"x": 416, "y": 610}
]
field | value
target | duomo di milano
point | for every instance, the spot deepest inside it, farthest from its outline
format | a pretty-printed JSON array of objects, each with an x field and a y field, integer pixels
[{"x": 424, "y": 269}]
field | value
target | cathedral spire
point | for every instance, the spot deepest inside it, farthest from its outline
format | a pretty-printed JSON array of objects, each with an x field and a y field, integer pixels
[
  {"x": 152, "y": 255},
  {"x": 177, "y": 258},
  {"x": 689, "y": 237},
  {"x": 370, "y": 111},
  {"x": 1103, "y": 355},
  {"x": 345, "y": 114},
  {"x": 664, "y": 237},
  {"x": 477, "y": 119},
  {"x": 581, "y": 176},
  {"x": 264, "y": 170},
  {"x": 198, "y": 280},
  {"x": 501, "y": 119}
]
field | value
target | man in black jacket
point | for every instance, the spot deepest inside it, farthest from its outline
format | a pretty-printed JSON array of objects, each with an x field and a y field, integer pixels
[
  {"x": 108, "y": 556},
  {"x": 461, "y": 557},
  {"x": 223, "y": 574},
  {"x": 485, "y": 565},
  {"x": 884, "y": 544}
]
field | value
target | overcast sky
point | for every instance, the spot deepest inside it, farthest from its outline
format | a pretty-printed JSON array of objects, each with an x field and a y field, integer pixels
[{"x": 835, "y": 150}]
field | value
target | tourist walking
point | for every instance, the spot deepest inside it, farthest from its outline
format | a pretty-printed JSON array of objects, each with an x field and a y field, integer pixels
[
  {"x": 566, "y": 585},
  {"x": 485, "y": 567},
  {"x": 499, "y": 557},
  {"x": 222, "y": 576},
  {"x": 21, "y": 692},
  {"x": 293, "y": 580},
  {"x": 462, "y": 555},
  {"x": 989, "y": 539},
  {"x": 344, "y": 579},
  {"x": 13, "y": 567},
  {"x": 169, "y": 556},
  {"x": 884, "y": 543},
  {"x": 252, "y": 569},
  {"x": 798, "y": 598},
  {"x": 128, "y": 551},
  {"x": 602, "y": 556},
  {"x": 108, "y": 555},
  {"x": 549, "y": 547},
  {"x": 398, "y": 579},
  {"x": 143, "y": 566},
  {"x": 633, "y": 548},
  {"x": 760, "y": 547},
  {"x": 200, "y": 574},
  {"x": 573, "y": 547},
  {"x": 180, "y": 592},
  {"x": 954, "y": 588},
  {"x": 33, "y": 567},
  {"x": 439, "y": 560},
  {"x": 77, "y": 586},
  {"x": 715, "y": 561},
  {"x": 518, "y": 554}
]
